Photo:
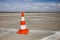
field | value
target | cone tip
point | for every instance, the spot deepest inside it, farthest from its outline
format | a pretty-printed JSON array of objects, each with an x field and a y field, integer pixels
[{"x": 22, "y": 14}]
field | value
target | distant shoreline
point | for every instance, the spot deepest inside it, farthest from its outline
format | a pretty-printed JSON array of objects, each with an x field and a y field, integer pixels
[{"x": 30, "y": 12}]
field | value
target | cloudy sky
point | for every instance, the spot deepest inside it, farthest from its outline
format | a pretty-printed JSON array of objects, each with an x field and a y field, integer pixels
[{"x": 30, "y": 5}]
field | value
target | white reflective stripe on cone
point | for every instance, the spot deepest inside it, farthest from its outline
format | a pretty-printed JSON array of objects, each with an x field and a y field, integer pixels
[
  {"x": 23, "y": 27},
  {"x": 22, "y": 19}
]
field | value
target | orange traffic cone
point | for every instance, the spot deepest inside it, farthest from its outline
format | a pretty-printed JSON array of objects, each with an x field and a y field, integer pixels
[{"x": 23, "y": 29}]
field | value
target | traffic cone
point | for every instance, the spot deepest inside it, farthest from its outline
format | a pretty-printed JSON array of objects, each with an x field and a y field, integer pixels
[{"x": 23, "y": 29}]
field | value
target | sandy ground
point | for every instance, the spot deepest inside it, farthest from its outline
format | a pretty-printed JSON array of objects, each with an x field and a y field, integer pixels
[
  {"x": 55, "y": 36},
  {"x": 38, "y": 21},
  {"x": 32, "y": 35},
  {"x": 35, "y": 21}
]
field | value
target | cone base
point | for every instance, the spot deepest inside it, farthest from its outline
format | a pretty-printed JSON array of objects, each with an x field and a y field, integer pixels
[{"x": 22, "y": 31}]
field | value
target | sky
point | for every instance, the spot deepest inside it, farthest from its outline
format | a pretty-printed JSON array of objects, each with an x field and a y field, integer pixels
[{"x": 30, "y": 5}]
